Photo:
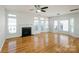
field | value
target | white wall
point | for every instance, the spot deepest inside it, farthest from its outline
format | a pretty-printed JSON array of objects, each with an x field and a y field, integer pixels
[
  {"x": 23, "y": 20},
  {"x": 2, "y": 26},
  {"x": 75, "y": 16},
  {"x": 51, "y": 24}
]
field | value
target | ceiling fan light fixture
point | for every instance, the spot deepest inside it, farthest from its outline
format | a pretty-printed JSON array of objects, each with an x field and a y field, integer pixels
[{"x": 38, "y": 10}]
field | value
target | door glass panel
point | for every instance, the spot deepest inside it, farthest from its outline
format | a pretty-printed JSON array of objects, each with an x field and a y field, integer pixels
[
  {"x": 64, "y": 25},
  {"x": 72, "y": 25},
  {"x": 55, "y": 25}
]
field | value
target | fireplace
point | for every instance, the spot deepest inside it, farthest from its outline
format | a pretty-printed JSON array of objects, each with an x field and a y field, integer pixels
[{"x": 26, "y": 31}]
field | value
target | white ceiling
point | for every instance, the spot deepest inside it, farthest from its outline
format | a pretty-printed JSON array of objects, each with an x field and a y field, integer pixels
[{"x": 51, "y": 11}]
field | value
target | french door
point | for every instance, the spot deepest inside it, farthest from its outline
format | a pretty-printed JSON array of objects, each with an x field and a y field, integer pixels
[
  {"x": 40, "y": 26},
  {"x": 61, "y": 25}
]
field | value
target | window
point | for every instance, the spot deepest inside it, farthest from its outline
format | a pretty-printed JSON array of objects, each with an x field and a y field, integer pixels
[{"x": 11, "y": 23}]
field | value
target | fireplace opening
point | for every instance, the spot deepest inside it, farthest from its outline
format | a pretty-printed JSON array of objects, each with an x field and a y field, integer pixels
[{"x": 26, "y": 31}]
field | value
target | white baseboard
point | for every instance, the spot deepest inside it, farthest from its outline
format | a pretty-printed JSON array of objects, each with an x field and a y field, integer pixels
[
  {"x": 71, "y": 34},
  {"x": 77, "y": 36}
]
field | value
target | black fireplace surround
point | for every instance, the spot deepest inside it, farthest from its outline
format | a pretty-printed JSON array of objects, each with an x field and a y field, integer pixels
[{"x": 26, "y": 31}]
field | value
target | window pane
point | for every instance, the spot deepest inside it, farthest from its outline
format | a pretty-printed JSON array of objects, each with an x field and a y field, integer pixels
[
  {"x": 72, "y": 24},
  {"x": 12, "y": 29},
  {"x": 11, "y": 21},
  {"x": 55, "y": 24},
  {"x": 64, "y": 25},
  {"x": 36, "y": 25},
  {"x": 46, "y": 24}
]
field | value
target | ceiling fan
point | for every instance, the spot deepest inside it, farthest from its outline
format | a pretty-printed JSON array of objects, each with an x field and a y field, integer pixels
[{"x": 38, "y": 8}]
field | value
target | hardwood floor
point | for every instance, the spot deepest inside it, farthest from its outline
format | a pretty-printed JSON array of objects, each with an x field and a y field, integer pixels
[{"x": 42, "y": 43}]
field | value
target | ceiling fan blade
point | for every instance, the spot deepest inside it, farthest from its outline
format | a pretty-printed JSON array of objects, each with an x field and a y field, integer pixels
[
  {"x": 37, "y": 6},
  {"x": 74, "y": 10},
  {"x": 44, "y": 7},
  {"x": 43, "y": 10}
]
